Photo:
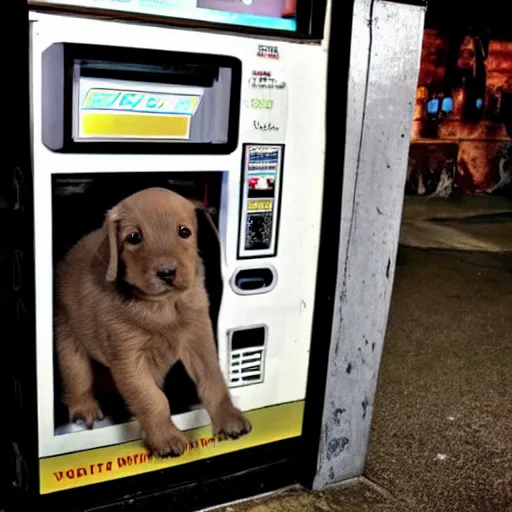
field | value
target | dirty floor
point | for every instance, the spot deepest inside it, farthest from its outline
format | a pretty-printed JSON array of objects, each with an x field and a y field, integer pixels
[
  {"x": 442, "y": 431},
  {"x": 358, "y": 495}
]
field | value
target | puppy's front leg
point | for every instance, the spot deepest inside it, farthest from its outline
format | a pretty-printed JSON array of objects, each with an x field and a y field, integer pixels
[
  {"x": 77, "y": 376},
  {"x": 199, "y": 356},
  {"x": 150, "y": 406}
]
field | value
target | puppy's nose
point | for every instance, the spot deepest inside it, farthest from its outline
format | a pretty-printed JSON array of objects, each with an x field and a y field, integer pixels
[{"x": 166, "y": 273}]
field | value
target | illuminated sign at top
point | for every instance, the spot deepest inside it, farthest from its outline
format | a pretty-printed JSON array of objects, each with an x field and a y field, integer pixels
[{"x": 212, "y": 11}]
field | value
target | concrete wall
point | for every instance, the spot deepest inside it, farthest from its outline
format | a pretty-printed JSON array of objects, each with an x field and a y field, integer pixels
[{"x": 385, "y": 58}]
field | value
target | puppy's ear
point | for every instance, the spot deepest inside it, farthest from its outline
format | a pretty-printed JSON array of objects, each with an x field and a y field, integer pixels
[
  {"x": 111, "y": 223},
  {"x": 210, "y": 251},
  {"x": 204, "y": 217},
  {"x": 205, "y": 224}
]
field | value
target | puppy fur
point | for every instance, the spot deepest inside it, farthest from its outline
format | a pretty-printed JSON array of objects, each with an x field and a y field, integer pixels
[{"x": 131, "y": 295}]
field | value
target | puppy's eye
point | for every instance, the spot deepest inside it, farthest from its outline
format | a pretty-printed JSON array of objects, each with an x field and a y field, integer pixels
[
  {"x": 184, "y": 232},
  {"x": 134, "y": 238}
]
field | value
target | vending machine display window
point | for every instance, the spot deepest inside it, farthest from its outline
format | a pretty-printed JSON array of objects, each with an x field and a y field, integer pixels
[
  {"x": 115, "y": 100},
  {"x": 79, "y": 203}
]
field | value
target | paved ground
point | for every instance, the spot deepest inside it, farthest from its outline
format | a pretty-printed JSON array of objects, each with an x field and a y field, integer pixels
[
  {"x": 464, "y": 224},
  {"x": 421, "y": 208},
  {"x": 442, "y": 432}
]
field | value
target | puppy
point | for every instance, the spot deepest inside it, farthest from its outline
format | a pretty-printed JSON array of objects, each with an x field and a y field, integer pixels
[{"x": 131, "y": 296}]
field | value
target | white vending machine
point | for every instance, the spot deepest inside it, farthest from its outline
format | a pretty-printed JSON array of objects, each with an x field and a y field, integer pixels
[{"x": 225, "y": 107}]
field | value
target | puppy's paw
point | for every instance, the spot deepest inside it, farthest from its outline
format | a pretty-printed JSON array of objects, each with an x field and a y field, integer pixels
[
  {"x": 85, "y": 410},
  {"x": 167, "y": 442},
  {"x": 231, "y": 422}
]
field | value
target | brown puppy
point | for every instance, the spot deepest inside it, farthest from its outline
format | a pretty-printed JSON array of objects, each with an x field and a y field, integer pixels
[{"x": 131, "y": 295}]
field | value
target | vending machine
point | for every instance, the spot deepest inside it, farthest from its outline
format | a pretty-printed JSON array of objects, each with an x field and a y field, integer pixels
[
  {"x": 200, "y": 221},
  {"x": 165, "y": 140}
]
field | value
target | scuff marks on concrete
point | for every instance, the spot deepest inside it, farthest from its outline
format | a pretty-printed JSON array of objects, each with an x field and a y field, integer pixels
[
  {"x": 336, "y": 446},
  {"x": 365, "y": 405},
  {"x": 337, "y": 415}
]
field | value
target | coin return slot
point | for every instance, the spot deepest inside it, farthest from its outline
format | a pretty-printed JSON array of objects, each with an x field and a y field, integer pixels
[{"x": 254, "y": 280}]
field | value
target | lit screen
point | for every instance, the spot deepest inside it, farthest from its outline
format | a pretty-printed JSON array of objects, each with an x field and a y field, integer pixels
[
  {"x": 116, "y": 110},
  {"x": 268, "y": 14}
]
